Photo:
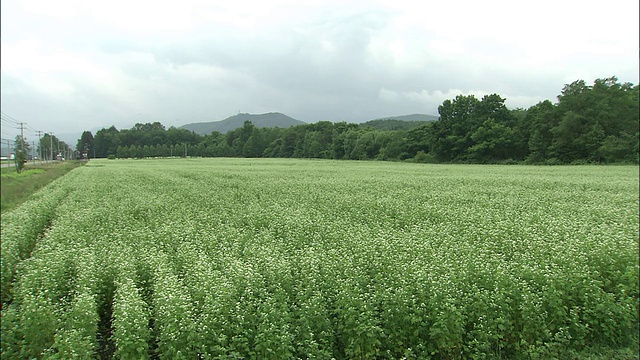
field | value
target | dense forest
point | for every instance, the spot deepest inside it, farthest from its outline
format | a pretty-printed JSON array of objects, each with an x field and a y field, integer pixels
[{"x": 588, "y": 124}]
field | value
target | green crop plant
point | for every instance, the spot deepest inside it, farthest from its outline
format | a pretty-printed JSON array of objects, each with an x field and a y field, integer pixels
[{"x": 283, "y": 258}]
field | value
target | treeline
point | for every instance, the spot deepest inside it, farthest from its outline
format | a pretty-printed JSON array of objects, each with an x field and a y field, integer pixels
[
  {"x": 49, "y": 147},
  {"x": 588, "y": 124}
]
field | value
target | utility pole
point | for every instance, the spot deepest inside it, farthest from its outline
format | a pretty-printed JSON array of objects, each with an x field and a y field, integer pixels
[
  {"x": 51, "y": 144},
  {"x": 39, "y": 146},
  {"x": 22, "y": 139},
  {"x": 9, "y": 157}
]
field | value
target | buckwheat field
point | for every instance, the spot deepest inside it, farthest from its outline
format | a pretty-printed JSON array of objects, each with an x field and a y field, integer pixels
[{"x": 311, "y": 259}]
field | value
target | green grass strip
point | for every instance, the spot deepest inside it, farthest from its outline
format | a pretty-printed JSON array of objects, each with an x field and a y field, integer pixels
[{"x": 18, "y": 187}]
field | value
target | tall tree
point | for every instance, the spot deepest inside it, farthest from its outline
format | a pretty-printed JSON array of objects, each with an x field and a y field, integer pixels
[
  {"x": 49, "y": 146},
  {"x": 393, "y": 145},
  {"x": 84, "y": 147},
  {"x": 539, "y": 120},
  {"x": 461, "y": 118},
  {"x": 21, "y": 148},
  {"x": 591, "y": 114},
  {"x": 106, "y": 142},
  {"x": 493, "y": 142},
  {"x": 421, "y": 138},
  {"x": 255, "y": 144}
]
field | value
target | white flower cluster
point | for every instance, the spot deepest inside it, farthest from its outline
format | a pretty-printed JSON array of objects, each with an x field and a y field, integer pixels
[{"x": 278, "y": 259}]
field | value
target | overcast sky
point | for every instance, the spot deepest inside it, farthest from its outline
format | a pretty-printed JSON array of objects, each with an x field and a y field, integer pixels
[{"x": 74, "y": 65}]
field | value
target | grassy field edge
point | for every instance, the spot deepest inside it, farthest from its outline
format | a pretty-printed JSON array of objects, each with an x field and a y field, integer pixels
[{"x": 16, "y": 188}]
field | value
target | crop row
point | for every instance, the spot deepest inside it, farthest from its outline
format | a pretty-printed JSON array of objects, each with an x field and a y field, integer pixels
[{"x": 275, "y": 259}]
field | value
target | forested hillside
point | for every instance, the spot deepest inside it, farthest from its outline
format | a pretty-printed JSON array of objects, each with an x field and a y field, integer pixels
[
  {"x": 236, "y": 121},
  {"x": 588, "y": 124},
  {"x": 393, "y": 124}
]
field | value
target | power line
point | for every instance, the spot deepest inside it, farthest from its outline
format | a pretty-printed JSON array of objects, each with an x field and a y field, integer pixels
[
  {"x": 13, "y": 126},
  {"x": 7, "y": 121},
  {"x": 9, "y": 135},
  {"x": 13, "y": 123},
  {"x": 7, "y": 117}
]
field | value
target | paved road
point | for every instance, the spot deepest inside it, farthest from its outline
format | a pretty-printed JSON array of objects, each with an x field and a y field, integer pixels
[{"x": 4, "y": 165}]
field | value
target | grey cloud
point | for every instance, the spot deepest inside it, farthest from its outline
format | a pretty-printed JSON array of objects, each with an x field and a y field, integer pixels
[
  {"x": 330, "y": 64},
  {"x": 324, "y": 65}
]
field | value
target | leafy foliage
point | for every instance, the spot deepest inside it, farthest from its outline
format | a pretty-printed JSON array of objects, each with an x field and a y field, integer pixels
[
  {"x": 588, "y": 124},
  {"x": 50, "y": 146}
]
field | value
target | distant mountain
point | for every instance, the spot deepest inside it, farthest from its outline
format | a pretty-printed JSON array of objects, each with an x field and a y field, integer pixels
[
  {"x": 402, "y": 122},
  {"x": 412, "y": 117},
  {"x": 272, "y": 119}
]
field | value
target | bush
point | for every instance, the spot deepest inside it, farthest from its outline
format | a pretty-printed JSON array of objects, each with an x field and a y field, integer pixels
[
  {"x": 553, "y": 161},
  {"x": 509, "y": 162},
  {"x": 424, "y": 158}
]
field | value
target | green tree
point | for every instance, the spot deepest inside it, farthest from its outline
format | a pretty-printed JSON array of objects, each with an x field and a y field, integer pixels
[
  {"x": 238, "y": 137},
  {"x": 623, "y": 148},
  {"x": 106, "y": 142},
  {"x": 493, "y": 142},
  {"x": 312, "y": 146},
  {"x": 538, "y": 121},
  {"x": 392, "y": 145},
  {"x": 291, "y": 142},
  {"x": 366, "y": 145},
  {"x": 568, "y": 143},
  {"x": 346, "y": 143},
  {"x": 48, "y": 146},
  {"x": 21, "y": 148},
  {"x": 255, "y": 144},
  {"x": 179, "y": 136},
  {"x": 123, "y": 152},
  {"x": 592, "y": 141},
  {"x": 421, "y": 138},
  {"x": 84, "y": 147},
  {"x": 452, "y": 132},
  {"x": 340, "y": 141},
  {"x": 273, "y": 149},
  {"x": 592, "y": 117},
  {"x": 163, "y": 151},
  {"x": 452, "y": 135},
  {"x": 148, "y": 151}
]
